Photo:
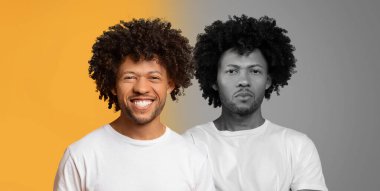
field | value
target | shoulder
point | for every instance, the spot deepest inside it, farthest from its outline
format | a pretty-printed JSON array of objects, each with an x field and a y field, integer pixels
[
  {"x": 288, "y": 133},
  {"x": 293, "y": 139},
  {"x": 181, "y": 142},
  {"x": 90, "y": 142},
  {"x": 200, "y": 136},
  {"x": 198, "y": 132},
  {"x": 200, "y": 128},
  {"x": 186, "y": 147},
  {"x": 304, "y": 159}
]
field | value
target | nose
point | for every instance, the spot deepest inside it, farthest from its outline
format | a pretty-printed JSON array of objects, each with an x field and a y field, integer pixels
[
  {"x": 141, "y": 86},
  {"x": 243, "y": 80}
]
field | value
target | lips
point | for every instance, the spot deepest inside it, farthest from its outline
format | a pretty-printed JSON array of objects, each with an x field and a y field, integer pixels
[{"x": 243, "y": 94}]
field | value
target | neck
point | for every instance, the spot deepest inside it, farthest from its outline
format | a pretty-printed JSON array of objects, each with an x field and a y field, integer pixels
[
  {"x": 229, "y": 121},
  {"x": 129, "y": 128}
]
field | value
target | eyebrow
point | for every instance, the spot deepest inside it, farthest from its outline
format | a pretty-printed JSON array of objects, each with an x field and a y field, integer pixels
[
  {"x": 127, "y": 72},
  {"x": 150, "y": 72},
  {"x": 155, "y": 72},
  {"x": 250, "y": 66}
]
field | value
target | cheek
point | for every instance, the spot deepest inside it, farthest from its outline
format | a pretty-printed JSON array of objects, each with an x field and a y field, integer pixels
[
  {"x": 123, "y": 90},
  {"x": 225, "y": 81},
  {"x": 260, "y": 87},
  {"x": 227, "y": 84},
  {"x": 225, "y": 91},
  {"x": 161, "y": 90}
]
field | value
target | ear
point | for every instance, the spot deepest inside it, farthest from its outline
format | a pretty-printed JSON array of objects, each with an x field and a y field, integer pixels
[
  {"x": 215, "y": 87},
  {"x": 171, "y": 86},
  {"x": 268, "y": 83}
]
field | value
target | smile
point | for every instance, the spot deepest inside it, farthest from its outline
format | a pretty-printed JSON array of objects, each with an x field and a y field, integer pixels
[{"x": 142, "y": 104}]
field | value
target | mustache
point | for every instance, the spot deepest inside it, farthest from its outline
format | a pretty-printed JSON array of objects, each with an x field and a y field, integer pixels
[
  {"x": 141, "y": 96},
  {"x": 243, "y": 92}
]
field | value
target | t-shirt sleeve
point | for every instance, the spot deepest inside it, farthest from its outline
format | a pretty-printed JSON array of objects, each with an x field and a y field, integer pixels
[
  {"x": 307, "y": 169},
  {"x": 204, "y": 180},
  {"x": 67, "y": 177}
]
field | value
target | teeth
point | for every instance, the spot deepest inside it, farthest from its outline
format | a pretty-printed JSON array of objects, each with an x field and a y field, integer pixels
[{"x": 142, "y": 103}]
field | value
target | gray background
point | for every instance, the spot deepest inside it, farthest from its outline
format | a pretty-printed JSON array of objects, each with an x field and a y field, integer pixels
[{"x": 332, "y": 97}]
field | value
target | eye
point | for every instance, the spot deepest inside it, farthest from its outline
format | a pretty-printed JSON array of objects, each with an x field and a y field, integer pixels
[
  {"x": 155, "y": 78},
  {"x": 255, "y": 71},
  {"x": 231, "y": 71},
  {"x": 129, "y": 77}
]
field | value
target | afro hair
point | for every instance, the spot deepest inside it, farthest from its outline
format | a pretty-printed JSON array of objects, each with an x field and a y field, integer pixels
[{"x": 243, "y": 35}]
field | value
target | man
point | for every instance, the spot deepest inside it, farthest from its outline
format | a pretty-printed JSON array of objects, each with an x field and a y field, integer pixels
[
  {"x": 238, "y": 63},
  {"x": 135, "y": 65}
]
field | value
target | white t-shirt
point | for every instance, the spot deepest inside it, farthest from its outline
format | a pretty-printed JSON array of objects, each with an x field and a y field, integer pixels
[
  {"x": 106, "y": 160},
  {"x": 266, "y": 158}
]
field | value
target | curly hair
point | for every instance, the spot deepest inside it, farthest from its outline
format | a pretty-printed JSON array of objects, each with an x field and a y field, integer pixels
[
  {"x": 140, "y": 39},
  {"x": 243, "y": 35}
]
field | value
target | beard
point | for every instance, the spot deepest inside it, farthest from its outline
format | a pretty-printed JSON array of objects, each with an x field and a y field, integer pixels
[
  {"x": 242, "y": 109},
  {"x": 141, "y": 120}
]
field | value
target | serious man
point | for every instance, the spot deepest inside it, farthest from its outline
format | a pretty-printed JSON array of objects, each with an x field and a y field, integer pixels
[
  {"x": 238, "y": 63},
  {"x": 135, "y": 66}
]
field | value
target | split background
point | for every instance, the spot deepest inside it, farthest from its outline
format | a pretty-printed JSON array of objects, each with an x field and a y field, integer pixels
[{"x": 48, "y": 101}]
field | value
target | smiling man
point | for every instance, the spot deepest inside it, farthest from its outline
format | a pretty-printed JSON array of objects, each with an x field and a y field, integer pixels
[
  {"x": 135, "y": 66},
  {"x": 238, "y": 63}
]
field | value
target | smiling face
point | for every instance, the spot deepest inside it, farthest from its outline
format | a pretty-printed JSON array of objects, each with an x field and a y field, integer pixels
[
  {"x": 242, "y": 81},
  {"x": 141, "y": 88}
]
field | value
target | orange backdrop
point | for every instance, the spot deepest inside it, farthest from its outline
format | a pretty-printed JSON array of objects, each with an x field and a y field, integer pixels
[{"x": 47, "y": 99}]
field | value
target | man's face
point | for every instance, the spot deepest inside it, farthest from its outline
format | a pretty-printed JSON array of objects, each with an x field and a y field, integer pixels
[
  {"x": 141, "y": 89},
  {"x": 242, "y": 81}
]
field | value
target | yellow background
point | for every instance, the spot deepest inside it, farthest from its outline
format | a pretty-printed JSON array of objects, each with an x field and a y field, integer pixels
[{"x": 47, "y": 99}]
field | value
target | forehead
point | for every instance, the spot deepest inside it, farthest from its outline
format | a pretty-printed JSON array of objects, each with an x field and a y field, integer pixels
[
  {"x": 141, "y": 66},
  {"x": 231, "y": 58}
]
